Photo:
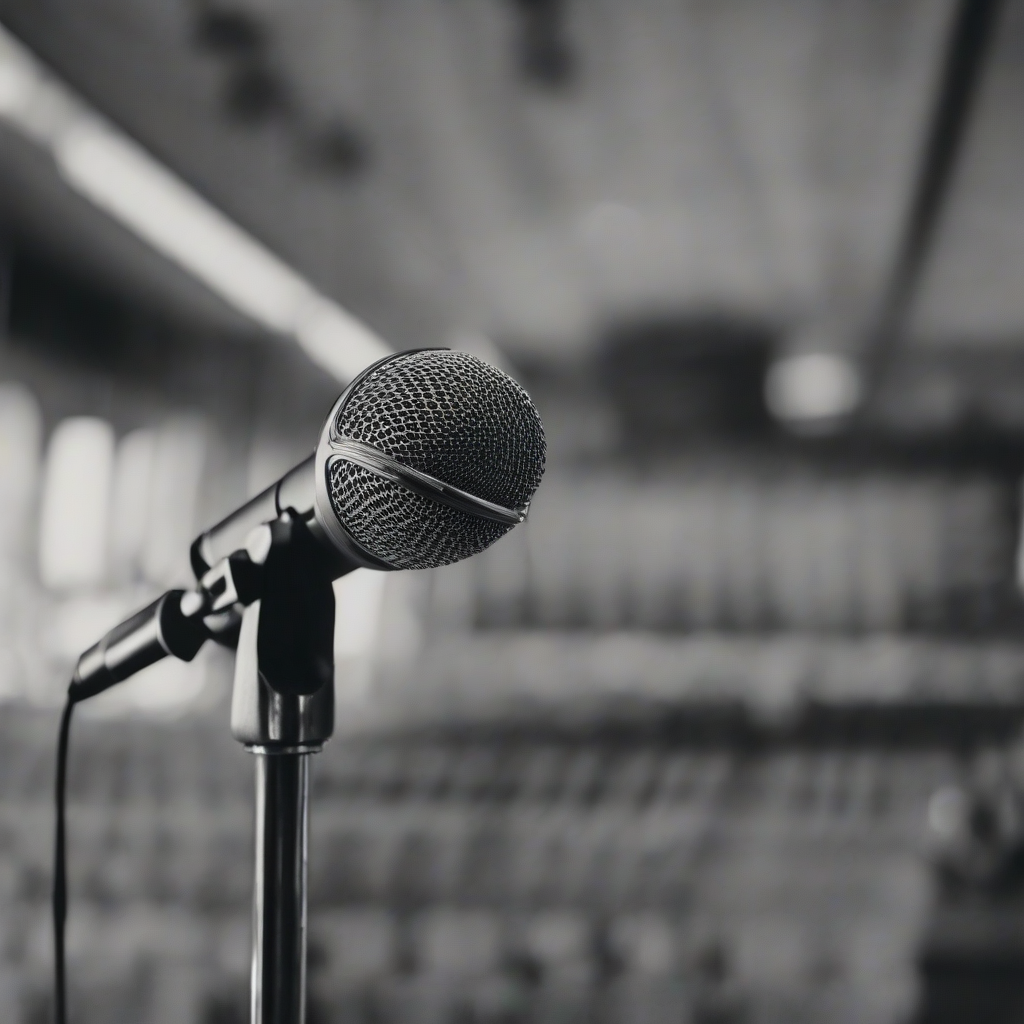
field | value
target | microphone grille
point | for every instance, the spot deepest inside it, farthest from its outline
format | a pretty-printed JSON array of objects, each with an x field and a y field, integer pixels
[{"x": 455, "y": 417}]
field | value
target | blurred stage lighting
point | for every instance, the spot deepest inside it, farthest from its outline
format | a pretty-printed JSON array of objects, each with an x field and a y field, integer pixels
[
  {"x": 117, "y": 175},
  {"x": 813, "y": 390},
  {"x": 76, "y": 504}
]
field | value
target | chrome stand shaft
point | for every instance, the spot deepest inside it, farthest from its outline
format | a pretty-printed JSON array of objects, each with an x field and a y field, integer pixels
[{"x": 279, "y": 894}]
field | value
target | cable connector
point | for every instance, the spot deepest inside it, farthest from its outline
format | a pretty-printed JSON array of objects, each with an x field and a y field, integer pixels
[{"x": 157, "y": 631}]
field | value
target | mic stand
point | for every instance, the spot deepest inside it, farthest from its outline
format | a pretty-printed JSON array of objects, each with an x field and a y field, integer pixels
[{"x": 282, "y": 710}]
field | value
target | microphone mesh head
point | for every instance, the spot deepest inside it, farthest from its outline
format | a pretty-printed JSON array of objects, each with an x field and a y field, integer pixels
[{"x": 455, "y": 417}]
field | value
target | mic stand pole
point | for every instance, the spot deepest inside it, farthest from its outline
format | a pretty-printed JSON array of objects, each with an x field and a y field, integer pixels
[
  {"x": 286, "y": 639},
  {"x": 278, "y": 981}
]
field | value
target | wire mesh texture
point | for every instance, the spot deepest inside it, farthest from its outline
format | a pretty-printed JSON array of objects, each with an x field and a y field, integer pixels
[{"x": 456, "y": 418}]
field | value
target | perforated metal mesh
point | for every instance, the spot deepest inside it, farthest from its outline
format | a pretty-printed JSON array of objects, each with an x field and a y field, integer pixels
[{"x": 455, "y": 417}]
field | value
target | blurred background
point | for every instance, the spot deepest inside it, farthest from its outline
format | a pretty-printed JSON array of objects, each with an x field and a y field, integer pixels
[{"x": 729, "y": 730}]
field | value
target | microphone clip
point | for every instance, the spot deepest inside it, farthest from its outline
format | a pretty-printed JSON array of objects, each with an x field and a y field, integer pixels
[
  {"x": 281, "y": 572},
  {"x": 283, "y": 694}
]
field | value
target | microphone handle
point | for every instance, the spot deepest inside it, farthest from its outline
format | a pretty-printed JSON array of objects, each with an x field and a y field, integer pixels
[
  {"x": 163, "y": 629},
  {"x": 142, "y": 640},
  {"x": 295, "y": 490}
]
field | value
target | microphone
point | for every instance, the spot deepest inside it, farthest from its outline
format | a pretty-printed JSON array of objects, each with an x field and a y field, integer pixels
[{"x": 427, "y": 457}]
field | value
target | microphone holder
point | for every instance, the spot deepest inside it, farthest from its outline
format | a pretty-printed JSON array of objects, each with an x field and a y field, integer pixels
[{"x": 282, "y": 710}]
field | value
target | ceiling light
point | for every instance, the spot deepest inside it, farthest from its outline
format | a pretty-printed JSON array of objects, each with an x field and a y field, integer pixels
[{"x": 121, "y": 178}]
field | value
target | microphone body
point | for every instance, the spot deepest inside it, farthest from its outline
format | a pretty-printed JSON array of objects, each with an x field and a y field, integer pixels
[
  {"x": 426, "y": 458},
  {"x": 295, "y": 492}
]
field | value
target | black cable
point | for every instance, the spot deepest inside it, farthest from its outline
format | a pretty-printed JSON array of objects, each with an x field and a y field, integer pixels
[{"x": 60, "y": 881}]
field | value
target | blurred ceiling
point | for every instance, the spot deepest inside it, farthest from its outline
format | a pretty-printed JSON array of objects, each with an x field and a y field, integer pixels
[{"x": 532, "y": 170}]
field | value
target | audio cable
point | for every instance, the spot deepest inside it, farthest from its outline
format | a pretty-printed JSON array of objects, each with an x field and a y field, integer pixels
[{"x": 60, "y": 881}]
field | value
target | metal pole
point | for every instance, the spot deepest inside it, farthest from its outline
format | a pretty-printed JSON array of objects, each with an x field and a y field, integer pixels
[
  {"x": 282, "y": 727},
  {"x": 279, "y": 893},
  {"x": 971, "y": 35}
]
